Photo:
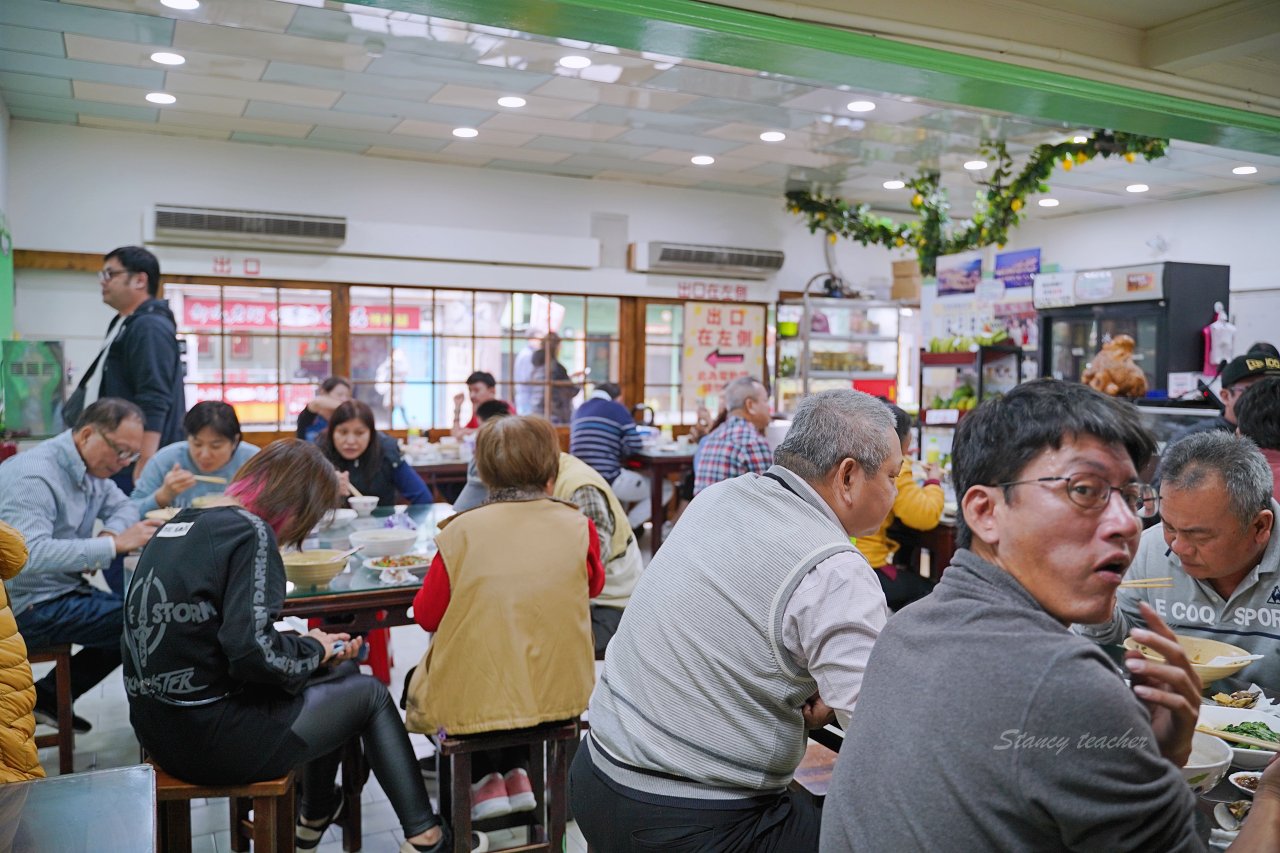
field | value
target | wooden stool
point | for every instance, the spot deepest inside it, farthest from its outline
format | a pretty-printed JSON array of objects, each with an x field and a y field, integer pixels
[
  {"x": 272, "y": 827},
  {"x": 548, "y": 774},
  {"x": 64, "y": 739}
]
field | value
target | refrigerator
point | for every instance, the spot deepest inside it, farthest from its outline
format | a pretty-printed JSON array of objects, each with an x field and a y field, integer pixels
[{"x": 1164, "y": 307}]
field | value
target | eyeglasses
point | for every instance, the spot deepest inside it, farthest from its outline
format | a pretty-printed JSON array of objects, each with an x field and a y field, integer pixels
[
  {"x": 106, "y": 275},
  {"x": 125, "y": 456},
  {"x": 1089, "y": 491}
]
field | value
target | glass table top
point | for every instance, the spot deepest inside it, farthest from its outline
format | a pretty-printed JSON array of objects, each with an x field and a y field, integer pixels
[
  {"x": 95, "y": 811},
  {"x": 355, "y": 576}
]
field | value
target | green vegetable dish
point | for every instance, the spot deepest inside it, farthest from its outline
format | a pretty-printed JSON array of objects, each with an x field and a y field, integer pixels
[{"x": 1259, "y": 730}]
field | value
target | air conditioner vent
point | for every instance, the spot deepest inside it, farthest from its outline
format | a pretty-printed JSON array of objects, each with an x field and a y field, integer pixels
[
  {"x": 686, "y": 258},
  {"x": 221, "y": 226}
]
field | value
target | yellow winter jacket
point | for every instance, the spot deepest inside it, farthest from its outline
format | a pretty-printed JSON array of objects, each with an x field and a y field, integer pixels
[
  {"x": 18, "y": 760},
  {"x": 919, "y": 507}
]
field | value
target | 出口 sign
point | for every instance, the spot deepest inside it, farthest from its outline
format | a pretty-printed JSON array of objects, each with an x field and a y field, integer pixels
[{"x": 722, "y": 342}]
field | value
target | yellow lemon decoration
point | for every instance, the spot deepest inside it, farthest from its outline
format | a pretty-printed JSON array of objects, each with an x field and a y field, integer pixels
[
  {"x": 1129, "y": 158},
  {"x": 917, "y": 200},
  {"x": 831, "y": 238},
  {"x": 1067, "y": 164},
  {"x": 1081, "y": 157},
  {"x": 1015, "y": 205}
]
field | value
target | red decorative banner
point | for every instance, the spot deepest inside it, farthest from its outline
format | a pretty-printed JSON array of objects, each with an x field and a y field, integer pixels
[{"x": 251, "y": 314}]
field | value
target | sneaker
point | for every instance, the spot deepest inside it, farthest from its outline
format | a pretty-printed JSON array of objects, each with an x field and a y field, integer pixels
[
  {"x": 489, "y": 798},
  {"x": 49, "y": 717},
  {"x": 520, "y": 791}
]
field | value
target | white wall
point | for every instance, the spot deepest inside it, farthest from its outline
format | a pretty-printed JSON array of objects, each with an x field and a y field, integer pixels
[{"x": 4, "y": 156}]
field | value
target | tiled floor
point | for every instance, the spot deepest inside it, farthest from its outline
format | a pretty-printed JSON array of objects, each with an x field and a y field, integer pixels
[{"x": 112, "y": 744}]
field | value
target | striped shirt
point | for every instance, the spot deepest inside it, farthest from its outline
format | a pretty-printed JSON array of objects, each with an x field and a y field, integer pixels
[
  {"x": 51, "y": 498},
  {"x": 602, "y": 434},
  {"x": 734, "y": 448}
]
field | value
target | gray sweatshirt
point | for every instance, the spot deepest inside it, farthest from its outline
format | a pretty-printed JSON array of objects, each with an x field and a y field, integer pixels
[
  {"x": 984, "y": 724},
  {"x": 1250, "y": 619}
]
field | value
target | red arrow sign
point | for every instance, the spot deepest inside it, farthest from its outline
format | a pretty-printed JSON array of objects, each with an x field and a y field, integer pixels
[{"x": 716, "y": 357}]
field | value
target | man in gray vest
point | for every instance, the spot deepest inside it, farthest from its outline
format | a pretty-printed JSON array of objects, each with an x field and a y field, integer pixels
[{"x": 751, "y": 625}]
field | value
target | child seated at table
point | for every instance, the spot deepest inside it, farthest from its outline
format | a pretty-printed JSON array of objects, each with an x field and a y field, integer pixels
[{"x": 506, "y": 596}]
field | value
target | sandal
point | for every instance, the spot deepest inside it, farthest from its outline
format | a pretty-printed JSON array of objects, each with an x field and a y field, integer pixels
[{"x": 307, "y": 838}]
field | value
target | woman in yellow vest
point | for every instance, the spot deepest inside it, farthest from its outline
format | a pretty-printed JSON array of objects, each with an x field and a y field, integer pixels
[
  {"x": 18, "y": 761},
  {"x": 506, "y": 596}
]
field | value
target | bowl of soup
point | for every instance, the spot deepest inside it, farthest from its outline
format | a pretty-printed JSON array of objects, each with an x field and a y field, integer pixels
[{"x": 314, "y": 568}]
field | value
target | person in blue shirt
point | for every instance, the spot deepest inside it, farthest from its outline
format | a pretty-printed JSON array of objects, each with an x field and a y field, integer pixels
[
  {"x": 603, "y": 433},
  {"x": 213, "y": 449},
  {"x": 368, "y": 459}
]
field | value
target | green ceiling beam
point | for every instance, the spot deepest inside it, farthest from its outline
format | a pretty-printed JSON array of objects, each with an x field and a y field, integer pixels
[{"x": 828, "y": 56}]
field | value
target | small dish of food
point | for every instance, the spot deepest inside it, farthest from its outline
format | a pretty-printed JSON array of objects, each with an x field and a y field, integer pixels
[
  {"x": 1243, "y": 721},
  {"x": 1246, "y": 780},
  {"x": 1231, "y": 815},
  {"x": 1238, "y": 699},
  {"x": 415, "y": 564}
]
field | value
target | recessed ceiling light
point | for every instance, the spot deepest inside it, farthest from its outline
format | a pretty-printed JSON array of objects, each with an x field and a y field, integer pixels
[
  {"x": 181, "y": 5},
  {"x": 168, "y": 58},
  {"x": 512, "y": 102},
  {"x": 1136, "y": 188},
  {"x": 702, "y": 160},
  {"x": 893, "y": 185},
  {"x": 573, "y": 61},
  {"x": 1079, "y": 140},
  {"x": 975, "y": 165},
  {"x": 772, "y": 136},
  {"x": 1245, "y": 170},
  {"x": 465, "y": 132},
  {"x": 860, "y": 106},
  {"x": 1048, "y": 202},
  {"x": 161, "y": 98}
]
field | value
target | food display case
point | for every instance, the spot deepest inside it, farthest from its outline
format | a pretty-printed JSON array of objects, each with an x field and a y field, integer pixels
[
  {"x": 825, "y": 343},
  {"x": 952, "y": 384}
]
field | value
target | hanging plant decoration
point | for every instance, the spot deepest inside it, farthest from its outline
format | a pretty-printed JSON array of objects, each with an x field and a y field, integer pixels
[{"x": 998, "y": 208}]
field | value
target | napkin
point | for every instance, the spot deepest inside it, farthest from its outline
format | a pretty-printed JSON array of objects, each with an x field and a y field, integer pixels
[
  {"x": 1231, "y": 660},
  {"x": 396, "y": 576}
]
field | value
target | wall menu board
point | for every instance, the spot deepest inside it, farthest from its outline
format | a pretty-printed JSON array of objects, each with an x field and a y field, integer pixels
[{"x": 722, "y": 342}]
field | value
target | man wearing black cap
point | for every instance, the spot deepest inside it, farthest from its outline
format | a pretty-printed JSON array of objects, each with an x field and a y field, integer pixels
[{"x": 1241, "y": 372}]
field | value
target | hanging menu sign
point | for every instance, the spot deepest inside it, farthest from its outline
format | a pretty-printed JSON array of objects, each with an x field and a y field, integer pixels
[{"x": 1053, "y": 289}]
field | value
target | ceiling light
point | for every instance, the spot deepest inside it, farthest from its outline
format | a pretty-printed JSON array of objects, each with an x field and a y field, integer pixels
[
  {"x": 1245, "y": 170},
  {"x": 573, "y": 61},
  {"x": 1136, "y": 188},
  {"x": 512, "y": 102},
  {"x": 465, "y": 132},
  {"x": 161, "y": 98},
  {"x": 1079, "y": 140},
  {"x": 772, "y": 136},
  {"x": 975, "y": 165},
  {"x": 860, "y": 106},
  {"x": 893, "y": 185},
  {"x": 702, "y": 160},
  {"x": 168, "y": 58},
  {"x": 181, "y": 5},
  {"x": 1048, "y": 202}
]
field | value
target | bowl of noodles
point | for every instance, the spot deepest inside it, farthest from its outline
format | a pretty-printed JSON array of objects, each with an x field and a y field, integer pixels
[{"x": 1201, "y": 652}]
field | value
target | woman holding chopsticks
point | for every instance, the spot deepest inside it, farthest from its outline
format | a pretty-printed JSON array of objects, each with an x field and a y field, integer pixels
[
  {"x": 202, "y": 465},
  {"x": 368, "y": 461}
]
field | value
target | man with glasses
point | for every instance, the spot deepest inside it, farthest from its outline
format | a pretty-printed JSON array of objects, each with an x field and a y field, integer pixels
[
  {"x": 985, "y": 723},
  {"x": 55, "y": 494},
  {"x": 1216, "y": 541}
]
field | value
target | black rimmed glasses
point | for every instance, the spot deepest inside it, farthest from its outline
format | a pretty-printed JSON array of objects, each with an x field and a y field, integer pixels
[
  {"x": 1089, "y": 491},
  {"x": 106, "y": 275},
  {"x": 125, "y": 456}
]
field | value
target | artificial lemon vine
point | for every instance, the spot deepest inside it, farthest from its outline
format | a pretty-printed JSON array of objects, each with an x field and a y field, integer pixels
[{"x": 997, "y": 209}]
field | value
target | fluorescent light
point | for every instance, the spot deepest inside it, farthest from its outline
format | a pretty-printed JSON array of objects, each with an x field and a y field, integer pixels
[
  {"x": 168, "y": 58},
  {"x": 772, "y": 136},
  {"x": 975, "y": 165},
  {"x": 181, "y": 5},
  {"x": 1245, "y": 170},
  {"x": 860, "y": 106},
  {"x": 573, "y": 61},
  {"x": 1136, "y": 188},
  {"x": 702, "y": 160},
  {"x": 512, "y": 102},
  {"x": 1079, "y": 140},
  {"x": 893, "y": 185},
  {"x": 161, "y": 98},
  {"x": 1048, "y": 202},
  {"x": 465, "y": 132}
]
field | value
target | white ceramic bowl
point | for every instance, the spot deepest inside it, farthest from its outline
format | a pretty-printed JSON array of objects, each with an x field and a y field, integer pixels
[
  {"x": 1238, "y": 778},
  {"x": 363, "y": 505},
  {"x": 384, "y": 542},
  {"x": 1209, "y": 762},
  {"x": 313, "y": 568},
  {"x": 1216, "y": 716},
  {"x": 335, "y": 517}
]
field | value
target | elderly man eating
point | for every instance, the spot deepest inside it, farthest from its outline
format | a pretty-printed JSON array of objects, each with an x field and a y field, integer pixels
[
  {"x": 751, "y": 624},
  {"x": 984, "y": 723}
]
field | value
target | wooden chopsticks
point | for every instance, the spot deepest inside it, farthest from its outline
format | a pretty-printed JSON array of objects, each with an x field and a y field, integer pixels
[
  {"x": 1269, "y": 745},
  {"x": 204, "y": 478},
  {"x": 1148, "y": 583},
  {"x": 355, "y": 493}
]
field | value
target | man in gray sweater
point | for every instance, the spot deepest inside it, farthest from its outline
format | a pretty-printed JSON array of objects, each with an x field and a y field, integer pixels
[{"x": 984, "y": 723}]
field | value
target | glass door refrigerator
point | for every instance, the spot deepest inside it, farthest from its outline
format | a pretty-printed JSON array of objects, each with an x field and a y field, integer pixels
[{"x": 1164, "y": 307}]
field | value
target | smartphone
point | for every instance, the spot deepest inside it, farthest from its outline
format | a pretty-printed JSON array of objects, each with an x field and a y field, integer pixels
[{"x": 338, "y": 647}]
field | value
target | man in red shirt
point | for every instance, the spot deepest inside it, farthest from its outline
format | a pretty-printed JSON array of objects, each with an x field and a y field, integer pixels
[{"x": 480, "y": 388}]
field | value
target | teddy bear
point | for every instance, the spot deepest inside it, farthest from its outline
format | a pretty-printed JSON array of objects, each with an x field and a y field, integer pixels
[{"x": 1113, "y": 371}]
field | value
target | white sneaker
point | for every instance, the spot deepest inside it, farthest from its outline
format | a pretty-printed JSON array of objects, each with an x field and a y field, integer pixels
[{"x": 489, "y": 798}]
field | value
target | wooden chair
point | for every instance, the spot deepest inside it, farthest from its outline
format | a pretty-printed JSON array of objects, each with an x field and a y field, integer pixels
[
  {"x": 549, "y": 748},
  {"x": 64, "y": 738},
  {"x": 272, "y": 827}
]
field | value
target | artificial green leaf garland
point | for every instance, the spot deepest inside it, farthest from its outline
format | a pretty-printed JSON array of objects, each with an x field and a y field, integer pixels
[{"x": 997, "y": 209}]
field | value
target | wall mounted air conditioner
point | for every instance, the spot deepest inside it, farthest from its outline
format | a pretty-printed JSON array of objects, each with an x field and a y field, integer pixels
[
  {"x": 211, "y": 226},
  {"x": 691, "y": 259}
]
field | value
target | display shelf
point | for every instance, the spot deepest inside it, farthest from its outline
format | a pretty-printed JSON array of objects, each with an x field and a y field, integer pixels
[
  {"x": 856, "y": 341},
  {"x": 975, "y": 369}
]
